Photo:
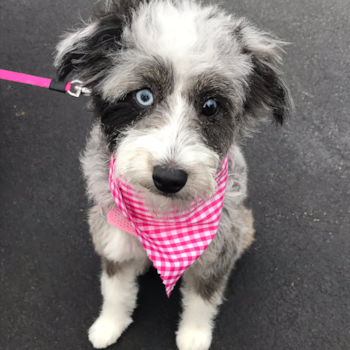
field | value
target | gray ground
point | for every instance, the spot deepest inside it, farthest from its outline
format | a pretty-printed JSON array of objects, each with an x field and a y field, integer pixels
[{"x": 291, "y": 291}]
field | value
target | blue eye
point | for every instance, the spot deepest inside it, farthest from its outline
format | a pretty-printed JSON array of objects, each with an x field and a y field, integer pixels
[
  {"x": 210, "y": 108},
  {"x": 144, "y": 97}
]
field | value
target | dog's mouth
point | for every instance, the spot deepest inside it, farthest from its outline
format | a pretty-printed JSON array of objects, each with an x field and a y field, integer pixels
[
  {"x": 179, "y": 195},
  {"x": 162, "y": 202}
]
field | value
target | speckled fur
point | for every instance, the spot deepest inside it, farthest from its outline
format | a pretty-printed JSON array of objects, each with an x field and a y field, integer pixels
[{"x": 184, "y": 53}]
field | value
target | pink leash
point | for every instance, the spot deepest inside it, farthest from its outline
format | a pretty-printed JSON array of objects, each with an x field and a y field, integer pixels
[{"x": 74, "y": 88}]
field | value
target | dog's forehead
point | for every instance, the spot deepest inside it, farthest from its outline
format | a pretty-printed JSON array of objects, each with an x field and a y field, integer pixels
[
  {"x": 185, "y": 40},
  {"x": 176, "y": 31}
]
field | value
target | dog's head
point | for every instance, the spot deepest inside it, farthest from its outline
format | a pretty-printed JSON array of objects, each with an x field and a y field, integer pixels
[{"x": 174, "y": 84}]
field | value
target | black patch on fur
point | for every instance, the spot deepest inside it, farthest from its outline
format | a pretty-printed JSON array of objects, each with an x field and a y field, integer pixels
[
  {"x": 155, "y": 75},
  {"x": 111, "y": 268},
  {"x": 118, "y": 116},
  {"x": 89, "y": 56},
  {"x": 218, "y": 130},
  {"x": 212, "y": 279},
  {"x": 207, "y": 288},
  {"x": 267, "y": 88},
  {"x": 90, "y": 59}
]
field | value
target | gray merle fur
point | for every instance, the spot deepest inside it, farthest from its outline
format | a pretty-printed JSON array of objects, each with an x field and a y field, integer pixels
[{"x": 184, "y": 53}]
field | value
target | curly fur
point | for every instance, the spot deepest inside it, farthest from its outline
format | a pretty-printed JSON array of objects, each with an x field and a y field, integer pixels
[{"x": 185, "y": 53}]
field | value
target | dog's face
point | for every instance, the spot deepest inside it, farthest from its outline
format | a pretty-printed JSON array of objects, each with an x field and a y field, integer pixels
[{"x": 174, "y": 85}]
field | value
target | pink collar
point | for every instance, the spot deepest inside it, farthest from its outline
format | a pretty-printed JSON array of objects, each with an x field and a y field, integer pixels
[{"x": 174, "y": 243}]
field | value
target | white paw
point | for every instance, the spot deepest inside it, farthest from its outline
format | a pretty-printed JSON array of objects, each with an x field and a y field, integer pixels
[
  {"x": 192, "y": 338},
  {"x": 106, "y": 330}
]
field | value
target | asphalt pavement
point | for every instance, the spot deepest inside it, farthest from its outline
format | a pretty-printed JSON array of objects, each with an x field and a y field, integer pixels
[{"x": 290, "y": 291}]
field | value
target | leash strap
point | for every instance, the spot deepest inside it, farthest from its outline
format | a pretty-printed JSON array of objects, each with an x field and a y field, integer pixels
[{"x": 74, "y": 88}]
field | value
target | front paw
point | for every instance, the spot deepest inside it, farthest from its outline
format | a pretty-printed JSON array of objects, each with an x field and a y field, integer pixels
[
  {"x": 193, "y": 338},
  {"x": 106, "y": 330}
]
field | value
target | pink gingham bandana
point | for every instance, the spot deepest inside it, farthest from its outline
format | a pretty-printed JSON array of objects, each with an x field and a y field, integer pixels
[{"x": 175, "y": 242}]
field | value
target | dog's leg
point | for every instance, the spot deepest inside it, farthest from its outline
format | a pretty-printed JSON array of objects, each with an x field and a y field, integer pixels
[
  {"x": 205, "y": 281},
  {"x": 197, "y": 321},
  {"x": 119, "y": 290}
]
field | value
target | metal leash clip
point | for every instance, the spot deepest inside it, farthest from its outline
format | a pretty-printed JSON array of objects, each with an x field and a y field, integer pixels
[{"x": 77, "y": 89}]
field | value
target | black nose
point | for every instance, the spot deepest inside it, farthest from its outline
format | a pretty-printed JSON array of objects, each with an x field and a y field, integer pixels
[{"x": 169, "y": 180}]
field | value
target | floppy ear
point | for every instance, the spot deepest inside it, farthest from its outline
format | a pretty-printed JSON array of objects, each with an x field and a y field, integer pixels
[
  {"x": 266, "y": 87},
  {"x": 86, "y": 52}
]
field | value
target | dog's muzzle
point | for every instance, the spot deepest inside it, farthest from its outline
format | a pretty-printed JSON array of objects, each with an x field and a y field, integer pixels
[{"x": 169, "y": 180}]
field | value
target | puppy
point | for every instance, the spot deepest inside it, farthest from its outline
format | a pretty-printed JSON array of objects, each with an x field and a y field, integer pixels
[{"x": 174, "y": 84}]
